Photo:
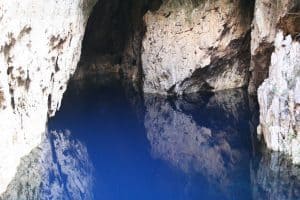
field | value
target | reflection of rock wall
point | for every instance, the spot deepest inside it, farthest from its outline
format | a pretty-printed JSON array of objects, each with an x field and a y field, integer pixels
[
  {"x": 275, "y": 178},
  {"x": 40, "y": 44},
  {"x": 206, "y": 145},
  {"x": 58, "y": 169}
]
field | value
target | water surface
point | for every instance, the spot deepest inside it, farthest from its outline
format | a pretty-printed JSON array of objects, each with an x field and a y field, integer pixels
[{"x": 110, "y": 142}]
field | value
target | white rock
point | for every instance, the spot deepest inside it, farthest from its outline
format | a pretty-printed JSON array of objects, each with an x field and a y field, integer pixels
[
  {"x": 40, "y": 44},
  {"x": 268, "y": 15},
  {"x": 279, "y": 99},
  {"x": 181, "y": 40}
]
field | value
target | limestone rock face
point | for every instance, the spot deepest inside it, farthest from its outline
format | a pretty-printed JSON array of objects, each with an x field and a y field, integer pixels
[
  {"x": 279, "y": 99},
  {"x": 40, "y": 44},
  {"x": 269, "y": 17},
  {"x": 196, "y": 46}
]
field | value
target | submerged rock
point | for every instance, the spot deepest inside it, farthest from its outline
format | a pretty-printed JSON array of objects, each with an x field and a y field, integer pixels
[
  {"x": 279, "y": 99},
  {"x": 202, "y": 45},
  {"x": 40, "y": 44}
]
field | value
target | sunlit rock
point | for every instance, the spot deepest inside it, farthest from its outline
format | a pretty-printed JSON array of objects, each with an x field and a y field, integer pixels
[
  {"x": 59, "y": 168},
  {"x": 197, "y": 45},
  {"x": 279, "y": 101},
  {"x": 40, "y": 44},
  {"x": 213, "y": 141},
  {"x": 269, "y": 17}
]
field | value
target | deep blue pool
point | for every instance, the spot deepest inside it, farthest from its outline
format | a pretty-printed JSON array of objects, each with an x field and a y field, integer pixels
[{"x": 110, "y": 142}]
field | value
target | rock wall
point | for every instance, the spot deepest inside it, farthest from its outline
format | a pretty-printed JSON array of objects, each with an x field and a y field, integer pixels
[
  {"x": 40, "y": 45},
  {"x": 201, "y": 45},
  {"x": 276, "y": 30},
  {"x": 269, "y": 17},
  {"x": 274, "y": 67},
  {"x": 279, "y": 99},
  {"x": 188, "y": 47}
]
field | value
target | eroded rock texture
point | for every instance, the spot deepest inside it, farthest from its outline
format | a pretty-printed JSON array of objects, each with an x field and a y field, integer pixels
[
  {"x": 59, "y": 168},
  {"x": 40, "y": 44},
  {"x": 269, "y": 17},
  {"x": 197, "y": 45},
  {"x": 213, "y": 143},
  {"x": 279, "y": 99}
]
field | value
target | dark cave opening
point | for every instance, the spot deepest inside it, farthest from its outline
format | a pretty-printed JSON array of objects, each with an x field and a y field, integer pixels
[
  {"x": 115, "y": 32},
  {"x": 113, "y": 39}
]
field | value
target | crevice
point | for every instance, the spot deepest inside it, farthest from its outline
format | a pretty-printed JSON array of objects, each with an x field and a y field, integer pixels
[
  {"x": 56, "y": 65},
  {"x": 49, "y": 103},
  {"x": 260, "y": 62},
  {"x": 12, "y": 102}
]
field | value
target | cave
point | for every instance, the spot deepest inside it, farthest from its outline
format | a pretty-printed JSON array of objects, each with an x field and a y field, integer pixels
[
  {"x": 120, "y": 36},
  {"x": 153, "y": 99},
  {"x": 113, "y": 39}
]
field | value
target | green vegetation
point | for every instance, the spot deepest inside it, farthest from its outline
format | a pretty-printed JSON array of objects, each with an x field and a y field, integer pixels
[
  {"x": 183, "y": 3},
  {"x": 187, "y": 5}
]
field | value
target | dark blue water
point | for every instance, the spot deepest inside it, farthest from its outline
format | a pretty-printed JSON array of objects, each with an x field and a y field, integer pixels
[
  {"x": 110, "y": 142},
  {"x": 127, "y": 163}
]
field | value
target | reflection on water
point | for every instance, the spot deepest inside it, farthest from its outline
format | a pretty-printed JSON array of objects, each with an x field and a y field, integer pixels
[
  {"x": 274, "y": 177},
  {"x": 203, "y": 134},
  {"x": 125, "y": 145},
  {"x": 59, "y": 167}
]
